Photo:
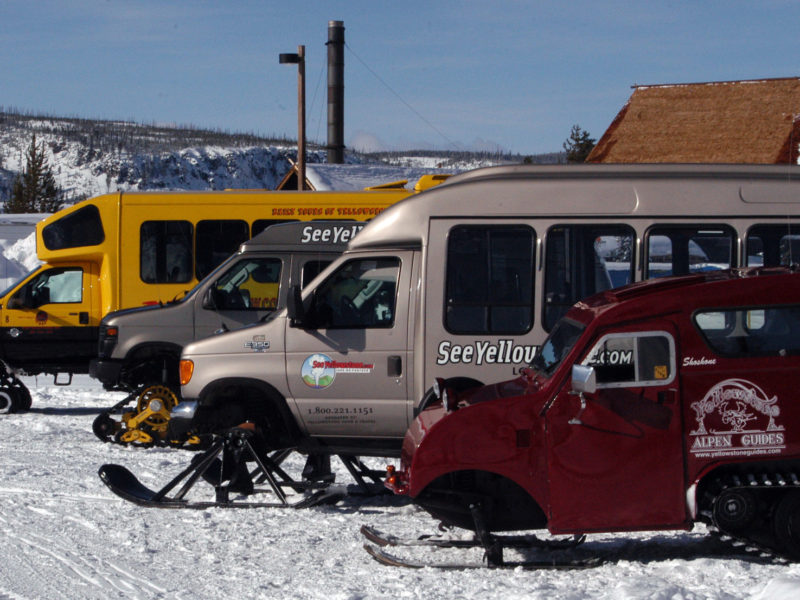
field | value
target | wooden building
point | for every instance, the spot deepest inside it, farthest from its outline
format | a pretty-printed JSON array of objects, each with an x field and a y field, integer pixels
[{"x": 755, "y": 121}]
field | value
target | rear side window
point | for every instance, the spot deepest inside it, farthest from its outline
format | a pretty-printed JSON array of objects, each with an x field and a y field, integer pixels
[
  {"x": 81, "y": 228},
  {"x": 759, "y": 331},
  {"x": 216, "y": 241},
  {"x": 678, "y": 250},
  {"x": 637, "y": 359},
  {"x": 773, "y": 245},
  {"x": 582, "y": 260},
  {"x": 489, "y": 287},
  {"x": 165, "y": 251}
]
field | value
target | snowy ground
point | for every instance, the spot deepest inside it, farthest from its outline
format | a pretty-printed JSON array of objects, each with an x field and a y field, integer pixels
[{"x": 63, "y": 534}]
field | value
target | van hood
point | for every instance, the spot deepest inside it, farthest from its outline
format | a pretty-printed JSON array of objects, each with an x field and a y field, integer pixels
[{"x": 136, "y": 310}]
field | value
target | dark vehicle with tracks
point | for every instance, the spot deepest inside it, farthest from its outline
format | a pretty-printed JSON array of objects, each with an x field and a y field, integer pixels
[{"x": 650, "y": 407}]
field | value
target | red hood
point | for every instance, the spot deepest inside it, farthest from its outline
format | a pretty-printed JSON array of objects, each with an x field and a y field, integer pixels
[{"x": 494, "y": 391}]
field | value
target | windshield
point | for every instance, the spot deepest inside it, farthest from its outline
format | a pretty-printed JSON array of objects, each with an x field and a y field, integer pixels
[
  {"x": 557, "y": 345},
  {"x": 6, "y": 291}
]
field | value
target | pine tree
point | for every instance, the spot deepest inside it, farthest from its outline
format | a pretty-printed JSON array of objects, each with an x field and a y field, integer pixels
[
  {"x": 35, "y": 189},
  {"x": 578, "y": 145}
]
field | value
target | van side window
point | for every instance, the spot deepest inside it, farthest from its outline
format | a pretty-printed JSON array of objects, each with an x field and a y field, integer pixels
[
  {"x": 637, "y": 359},
  {"x": 80, "y": 228},
  {"x": 311, "y": 269},
  {"x": 250, "y": 284},
  {"x": 217, "y": 240},
  {"x": 54, "y": 286},
  {"x": 582, "y": 260},
  {"x": 165, "y": 251},
  {"x": 361, "y": 294},
  {"x": 759, "y": 331},
  {"x": 772, "y": 245},
  {"x": 679, "y": 250},
  {"x": 490, "y": 271}
]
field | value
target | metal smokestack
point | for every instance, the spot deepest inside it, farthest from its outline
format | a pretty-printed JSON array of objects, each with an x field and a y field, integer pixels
[{"x": 335, "y": 45}]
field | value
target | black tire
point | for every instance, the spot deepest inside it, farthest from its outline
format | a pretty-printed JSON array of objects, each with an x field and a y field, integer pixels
[
  {"x": 786, "y": 524},
  {"x": 104, "y": 427},
  {"x": 8, "y": 401},
  {"x": 23, "y": 398}
]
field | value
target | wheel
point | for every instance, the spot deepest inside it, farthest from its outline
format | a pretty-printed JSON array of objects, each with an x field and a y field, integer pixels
[
  {"x": 735, "y": 510},
  {"x": 7, "y": 401},
  {"x": 23, "y": 398},
  {"x": 158, "y": 400},
  {"x": 104, "y": 427},
  {"x": 786, "y": 524}
]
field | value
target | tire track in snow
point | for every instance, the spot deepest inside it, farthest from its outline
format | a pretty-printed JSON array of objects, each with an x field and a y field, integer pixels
[{"x": 97, "y": 572}]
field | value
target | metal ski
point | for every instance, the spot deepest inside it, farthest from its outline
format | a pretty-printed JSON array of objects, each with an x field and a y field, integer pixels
[
  {"x": 385, "y": 558},
  {"x": 492, "y": 545},
  {"x": 509, "y": 541},
  {"x": 224, "y": 465},
  {"x": 125, "y": 485}
]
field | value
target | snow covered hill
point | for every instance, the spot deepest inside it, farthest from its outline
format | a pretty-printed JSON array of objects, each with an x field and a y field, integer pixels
[{"x": 90, "y": 157}]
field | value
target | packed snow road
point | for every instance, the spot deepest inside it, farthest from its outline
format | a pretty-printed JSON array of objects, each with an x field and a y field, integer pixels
[{"x": 63, "y": 534}]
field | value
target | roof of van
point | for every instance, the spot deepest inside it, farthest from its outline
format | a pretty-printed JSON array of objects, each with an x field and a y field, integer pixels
[
  {"x": 317, "y": 236},
  {"x": 588, "y": 190}
]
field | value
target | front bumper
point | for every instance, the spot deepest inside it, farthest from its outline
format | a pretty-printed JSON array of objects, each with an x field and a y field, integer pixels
[{"x": 106, "y": 371}]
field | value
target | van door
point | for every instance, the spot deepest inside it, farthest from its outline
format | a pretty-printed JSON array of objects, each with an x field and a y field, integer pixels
[
  {"x": 617, "y": 457},
  {"x": 52, "y": 319},
  {"x": 348, "y": 369},
  {"x": 244, "y": 293}
]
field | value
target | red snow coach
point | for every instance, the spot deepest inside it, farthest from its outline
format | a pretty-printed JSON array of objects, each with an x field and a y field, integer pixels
[{"x": 648, "y": 407}]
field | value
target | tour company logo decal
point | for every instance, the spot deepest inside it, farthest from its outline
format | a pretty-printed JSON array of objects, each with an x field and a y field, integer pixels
[
  {"x": 736, "y": 418},
  {"x": 319, "y": 371}
]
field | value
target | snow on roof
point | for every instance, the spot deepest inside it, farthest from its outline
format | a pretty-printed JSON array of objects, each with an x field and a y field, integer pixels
[{"x": 357, "y": 177}]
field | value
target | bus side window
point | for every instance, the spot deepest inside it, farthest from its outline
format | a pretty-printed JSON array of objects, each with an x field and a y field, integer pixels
[
  {"x": 582, "y": 260},
  {"x": 165, "y": 251},
  {"x": 772, "y": 245},
  {"x": 679, "y": 250},
  {"x": 489, "y": 286},
  {"x": 216, "y": 241},
  {"x": 84, "y": 227}
]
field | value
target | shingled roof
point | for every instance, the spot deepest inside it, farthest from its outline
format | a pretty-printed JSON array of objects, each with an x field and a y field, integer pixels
[{"x": 756, "y": 121}]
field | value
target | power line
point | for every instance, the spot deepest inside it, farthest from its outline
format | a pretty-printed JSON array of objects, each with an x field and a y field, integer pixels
[{"x": 399, "y": 97}]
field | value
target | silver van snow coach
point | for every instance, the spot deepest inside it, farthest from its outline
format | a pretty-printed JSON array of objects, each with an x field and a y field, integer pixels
[
  {"x": 463, "y": 282},
  {"x": 139, "y": 348}
]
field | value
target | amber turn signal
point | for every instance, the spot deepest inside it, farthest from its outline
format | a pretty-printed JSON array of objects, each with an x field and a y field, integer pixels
[{"x": 186, "y": 371}]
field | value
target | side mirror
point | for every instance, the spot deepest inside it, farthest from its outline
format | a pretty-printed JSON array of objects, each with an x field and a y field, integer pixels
[
  {"x": 14, "y": 303},
  {"x": 584, "y": 379},
  {"x": 294, "y": 306}
]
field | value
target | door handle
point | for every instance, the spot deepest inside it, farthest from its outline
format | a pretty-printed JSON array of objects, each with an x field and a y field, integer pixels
[
  {"x": 83, "y": 318},
  {"x": 394, "y": 366}
]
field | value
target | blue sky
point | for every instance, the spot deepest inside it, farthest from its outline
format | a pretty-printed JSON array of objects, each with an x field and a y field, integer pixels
[{"x": 507, "y": 75}]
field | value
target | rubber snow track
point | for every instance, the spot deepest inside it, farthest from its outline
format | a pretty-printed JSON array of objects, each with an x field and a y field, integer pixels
[{"x": 64, "y": 535}]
